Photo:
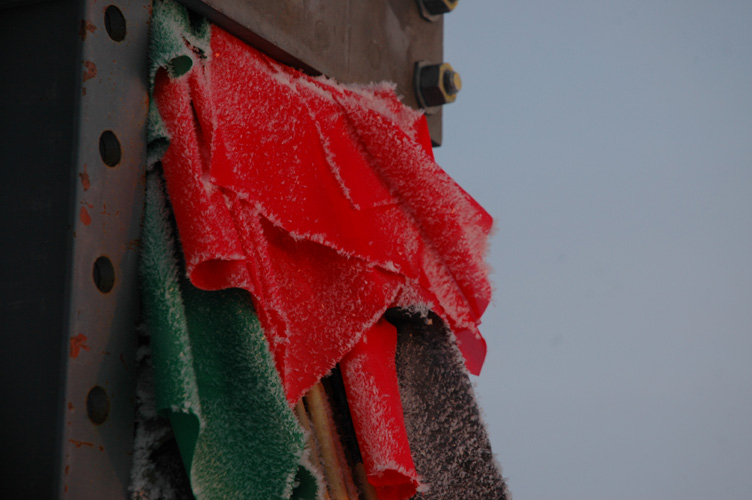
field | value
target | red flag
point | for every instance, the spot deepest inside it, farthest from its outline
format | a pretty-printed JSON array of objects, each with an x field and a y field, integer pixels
[{"x": 322, "y": 200}]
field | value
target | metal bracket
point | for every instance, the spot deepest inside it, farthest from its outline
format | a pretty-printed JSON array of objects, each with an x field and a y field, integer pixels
[{"x": 98, "y": 433}]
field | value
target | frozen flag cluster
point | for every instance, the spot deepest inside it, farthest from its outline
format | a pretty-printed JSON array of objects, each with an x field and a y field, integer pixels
[{"x": 315, "y": 207}]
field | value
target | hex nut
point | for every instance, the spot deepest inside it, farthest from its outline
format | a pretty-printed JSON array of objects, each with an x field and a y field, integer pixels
[
  {"x": 436, "y": 84},
  {"x": 430, "y": 9},
  {"x": 436, "y": 7}
]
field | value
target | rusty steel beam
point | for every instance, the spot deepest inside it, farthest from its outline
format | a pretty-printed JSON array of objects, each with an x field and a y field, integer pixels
[{"x": 73, "y": 102}]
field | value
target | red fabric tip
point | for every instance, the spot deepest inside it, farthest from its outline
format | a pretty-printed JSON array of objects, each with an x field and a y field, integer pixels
[
  {"x": 370, "y": 377},
  {"x": 322, "y": 200}
]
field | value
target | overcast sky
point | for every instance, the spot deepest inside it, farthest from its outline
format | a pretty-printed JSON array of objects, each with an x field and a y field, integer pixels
[{"x": 612, "y": 142}]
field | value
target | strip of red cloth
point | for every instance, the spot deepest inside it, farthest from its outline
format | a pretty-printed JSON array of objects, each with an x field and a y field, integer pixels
[
  {"x": 369, "y": 372},
  {"x": 323, "y": 201}
]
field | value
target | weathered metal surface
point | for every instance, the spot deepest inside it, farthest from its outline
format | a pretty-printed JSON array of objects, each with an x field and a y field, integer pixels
[
  {"x": 65, "y": 81},
  {"x": 351, "y": 41},
  {"x": 99, "y": 396}
]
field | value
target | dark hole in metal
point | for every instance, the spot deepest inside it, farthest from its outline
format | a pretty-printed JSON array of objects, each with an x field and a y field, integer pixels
[
  {"x": 97, "y": 405},
  {"x": 104, "y": 274},
  {"x": 114, "y": 22},
  {"x": 109, "y": 148}
]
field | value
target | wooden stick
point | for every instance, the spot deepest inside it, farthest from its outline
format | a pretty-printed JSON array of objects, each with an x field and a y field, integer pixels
[
  {"x": 367, "y": 491},
  {"x": 326, "y": 435}
]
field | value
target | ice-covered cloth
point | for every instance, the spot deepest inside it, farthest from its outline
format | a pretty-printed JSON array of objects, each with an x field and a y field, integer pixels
[
  {"x": 322, "y": 200},
  {"x": 325, "y": 203},
  {"x": 447, "y": 436},
  {"x": 215, "y": 379},
  {"x": 370, "y": 379}
]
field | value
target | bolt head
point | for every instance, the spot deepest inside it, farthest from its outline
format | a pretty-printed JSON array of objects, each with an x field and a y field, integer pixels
[
  {"x": 437, "y": 7},
  {"x": 436, "y": 84},
  {"x": 452, "y": 82}
]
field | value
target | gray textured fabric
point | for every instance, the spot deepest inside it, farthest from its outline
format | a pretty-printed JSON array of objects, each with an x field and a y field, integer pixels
[{"x": 447, "y": 436}]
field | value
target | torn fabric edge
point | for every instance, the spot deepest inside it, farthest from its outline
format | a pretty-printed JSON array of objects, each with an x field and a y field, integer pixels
[
  {"x": 236, "y": 434},
  {"x": 177, "y": 41},
  {"x": 232, "y": 237},
  {"x": 474, "y": 335}
]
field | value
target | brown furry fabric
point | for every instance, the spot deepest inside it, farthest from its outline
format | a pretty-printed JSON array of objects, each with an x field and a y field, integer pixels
[{"x": 447, "y": 436}]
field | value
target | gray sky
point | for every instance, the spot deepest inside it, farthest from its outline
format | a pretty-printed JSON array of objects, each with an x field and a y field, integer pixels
[{"x": 612, "y": 142}]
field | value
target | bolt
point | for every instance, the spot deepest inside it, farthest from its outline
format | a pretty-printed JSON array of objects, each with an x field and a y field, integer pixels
[
  {"x": 436, "y": 84},
  {"x": 429, "y": 9},
  {"x": 452, "y": 82}
]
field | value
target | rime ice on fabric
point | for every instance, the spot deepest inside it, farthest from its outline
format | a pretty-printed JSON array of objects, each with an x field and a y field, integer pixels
[
  {"x": 321, "y": 200},
  {"x": 369, "y": 373}
]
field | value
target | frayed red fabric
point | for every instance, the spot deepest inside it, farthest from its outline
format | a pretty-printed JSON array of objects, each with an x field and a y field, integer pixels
[
  {"x": 347, "y": 174},
  {"x": 370, "y": 376},
  {"x": 324, "y": 202}
]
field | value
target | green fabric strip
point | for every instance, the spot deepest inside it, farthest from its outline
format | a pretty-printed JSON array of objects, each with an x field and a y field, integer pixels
[
  {"x": 177, "y": 40},
  {"x": 215, "y": 378}
]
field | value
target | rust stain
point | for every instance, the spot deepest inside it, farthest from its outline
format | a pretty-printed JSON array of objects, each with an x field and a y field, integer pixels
[
  {"x": 67, "y": 469},
  {"x": 76, "y": 344},
  {"x": 122, "y": 360},
  {"x": 65, "y": 489},
  {"x": 101, "y": 448},
  {"x": 84, "y": 216},
  {"x": 91, "y": 70},
  {"x": 86, "y": 28},
  {"x": 83, "y": 90},
  {"x": 106, "y": 353},
  {"x": 104, "y": 209},
  {"x": 71, "y": 407},
  {"x": 133, "y": 244},
  {"x": 79, "y": 444},
  {"x": 85, "y": 182}
]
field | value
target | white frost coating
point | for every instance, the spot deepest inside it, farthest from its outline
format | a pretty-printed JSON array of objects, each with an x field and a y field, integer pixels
[
  {"x": 340, "y": 323},
  {"x": 383, "y": 133},
  {"x": 313, "y": 466},
  {"x": 404, "y": 117},
  {"x": 412, "y": 301},
  {"x": 331, "y": 159},
  {"x": 372, "y": 96},
  {"x": 378, "y": 448},
  {"x": 369, "y": 406},
  {"x": 391, "y": 267},
  {"x": 423, "y": 487},
  {"x": 146, "y": 481},
  {"x": 365, "y": 89},
  {"x": 185, "y": 408}
]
